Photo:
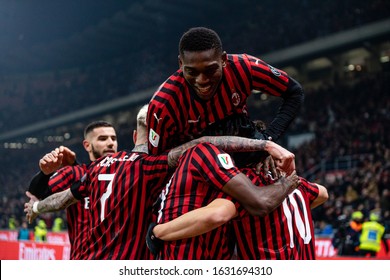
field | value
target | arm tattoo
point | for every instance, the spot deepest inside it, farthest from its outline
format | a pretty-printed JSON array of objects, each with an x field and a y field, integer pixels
[
  {"x": 236, "y": 144},
  {"x": 57, "y": 201},
  {"x": 226, "y": 143}
]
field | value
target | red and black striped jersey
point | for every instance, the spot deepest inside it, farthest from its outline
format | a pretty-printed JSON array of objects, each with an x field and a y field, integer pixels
[
  {"x": 198, "y": 180},
  {"x": 176, "y": 114},
  {"x": 77, "y": 215},
  {"x": 122, "y": 190},
  {"x": 286, "y": 233}
]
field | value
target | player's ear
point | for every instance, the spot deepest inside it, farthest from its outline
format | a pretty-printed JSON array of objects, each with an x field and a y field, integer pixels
[
  {"x": 86, "y": 145},
  {"x": 180, "y": 61},
  {"x": 135, "y": 136},
  {"x": 224, "y": 57}
]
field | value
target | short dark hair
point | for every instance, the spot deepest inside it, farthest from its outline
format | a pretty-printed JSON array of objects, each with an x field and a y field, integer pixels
[
  {"x": 198, "y": 39},
  {"x": 95, "y": 124}
]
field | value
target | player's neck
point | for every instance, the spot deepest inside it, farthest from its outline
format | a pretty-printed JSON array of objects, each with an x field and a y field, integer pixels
[{"x": 142, "y": 148}]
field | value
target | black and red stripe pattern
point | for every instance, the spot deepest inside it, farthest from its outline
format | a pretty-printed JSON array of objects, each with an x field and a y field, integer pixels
[
  {"x": 286, "y": 233},
  {"x": 176, "y": 114}
]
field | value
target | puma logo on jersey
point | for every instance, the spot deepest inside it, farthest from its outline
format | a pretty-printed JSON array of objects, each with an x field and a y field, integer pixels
[{"x": 157, "y": 118}]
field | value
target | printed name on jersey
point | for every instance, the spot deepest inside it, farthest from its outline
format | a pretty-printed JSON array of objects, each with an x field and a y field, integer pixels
[
  {"x": 226, "y": 161},
  {"x": 274, "y": 71},
  {"x": 236, "y": 99},
  {"x": 154, "y": 138},
  {"x": 86, "y": 202},
  {"x": 110, "y": 160}
]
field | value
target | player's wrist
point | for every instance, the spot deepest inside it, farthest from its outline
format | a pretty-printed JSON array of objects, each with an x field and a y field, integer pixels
[
  {"x": 155, "y": 236},
  {"x": 35, "y": 207},
  {"x": 154, "y": 244}
]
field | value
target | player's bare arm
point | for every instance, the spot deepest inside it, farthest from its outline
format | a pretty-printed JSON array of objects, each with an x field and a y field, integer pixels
[
  {"x": 321, "y": 198},
  {"x": 198, "y": 221},
  {"x": 55, "y": 202},
  {"x": 261, "y": 201},
  {"x": 284, "y": 159}
]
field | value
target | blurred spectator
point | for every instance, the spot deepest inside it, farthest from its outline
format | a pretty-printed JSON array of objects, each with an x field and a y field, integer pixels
[
  {"x": 372, "y": 237},
  {"x": 346, "y": 239},
  {"x": 24, "y": 232},
  {"x": 351, "y": 196},
  {"x": 12, "y": 223},
  {"x": 40, "y": 231},
  {"x": 58, "y": 225}
]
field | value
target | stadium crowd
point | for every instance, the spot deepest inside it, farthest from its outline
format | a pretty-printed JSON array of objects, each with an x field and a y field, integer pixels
[
  {"x": 105, "y": 81},
  {"x": 349, "y": 120}
]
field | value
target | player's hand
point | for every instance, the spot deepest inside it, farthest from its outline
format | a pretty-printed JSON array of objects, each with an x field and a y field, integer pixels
[
  {"x": 50, "y": 162},
  {"x": 291, "y": 182},
  {"x": 57, "y": 158},
  {"x": 68, "y": 156},
  {"x": 154, "y": 244},
  {"x": 284, "y": 160},
  {"x": 268, "y": 166},
  {"x": 28, "y": 207}
]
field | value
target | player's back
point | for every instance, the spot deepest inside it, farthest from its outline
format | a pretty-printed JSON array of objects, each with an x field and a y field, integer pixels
[
  {"x": 122, "y": 190},
  {"x": 198, "y": 180},
  {"x": 286, "y": 233}
]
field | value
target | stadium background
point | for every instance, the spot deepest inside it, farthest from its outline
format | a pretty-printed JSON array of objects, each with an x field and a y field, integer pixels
[{"x": 66, "y": 63}]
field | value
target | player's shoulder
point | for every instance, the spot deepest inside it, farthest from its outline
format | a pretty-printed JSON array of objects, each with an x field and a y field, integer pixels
[
  {"x": 306, "y": 184},
  {"x": 169, "y": 87},
  {"x": 66, "y": 174},
  {"x": 239, "y": 58}
]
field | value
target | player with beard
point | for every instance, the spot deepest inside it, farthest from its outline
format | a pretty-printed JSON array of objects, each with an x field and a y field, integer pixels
[{"x": 59, "y": 170}]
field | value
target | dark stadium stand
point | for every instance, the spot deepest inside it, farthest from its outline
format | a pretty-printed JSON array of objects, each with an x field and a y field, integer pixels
[{"x": 55, "y": 86}]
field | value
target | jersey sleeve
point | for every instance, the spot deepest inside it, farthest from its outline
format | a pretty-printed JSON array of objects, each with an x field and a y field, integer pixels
[
  {"x": 153, "y": 165},
  {"x": 159, "y": 123},
  {"x": 267, "y": 78},
  {"x": 39, "y": 185},
  {"x": 80, "y": 188},
  {"x": 310, "y": 188},
  {"x": 212, "y": 165},
  {"x": 65, "y": 177}
]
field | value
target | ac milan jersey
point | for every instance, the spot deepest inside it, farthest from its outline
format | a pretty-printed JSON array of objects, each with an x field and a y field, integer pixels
[
  {"x": 122, "y": 189},
  {"x": 286, "y": 233},
  {"x": 176, "y": 114},
  {"x": 202, "y": 173},
  {"x": 77, "y": 214}
]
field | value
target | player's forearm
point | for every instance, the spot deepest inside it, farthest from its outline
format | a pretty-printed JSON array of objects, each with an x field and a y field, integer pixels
[
  {"x": 39, "y": 185},
  {"x": 197, "y": 222},
  {"x": 56, "y": 202},
  {"x": 226, "y": 143},
  {"x": 260, "y": 201},
  {"x": 235, "y": 143},
  {"x": 186, "y": 226},
  {"x": 293, "y": 99}
]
